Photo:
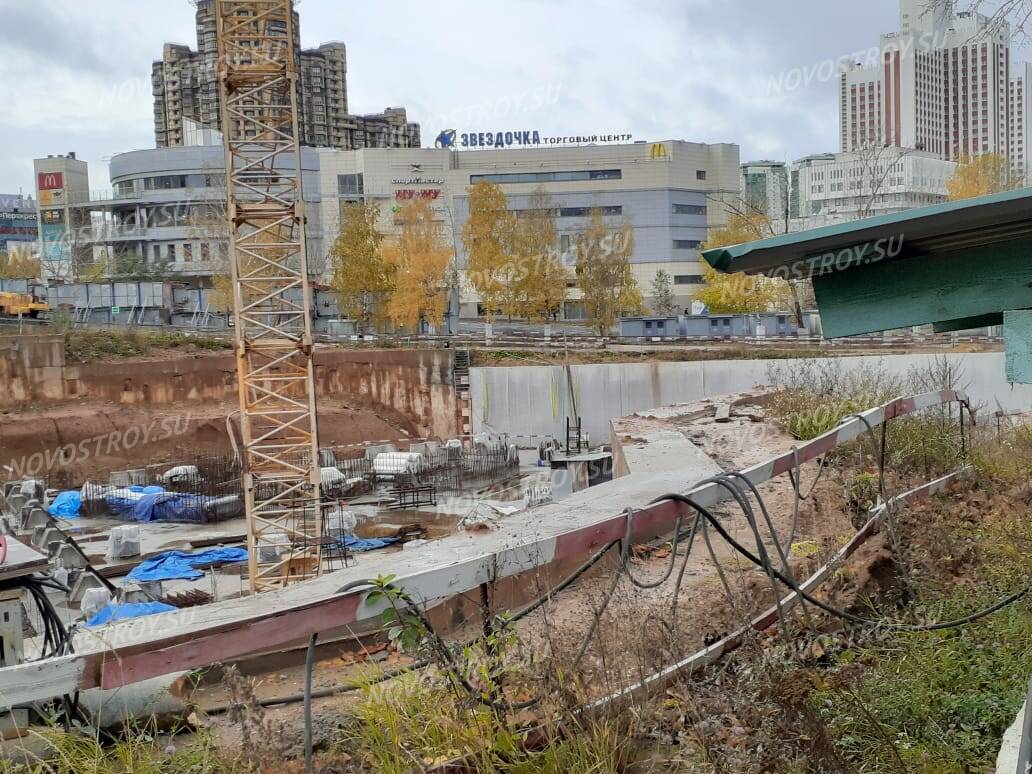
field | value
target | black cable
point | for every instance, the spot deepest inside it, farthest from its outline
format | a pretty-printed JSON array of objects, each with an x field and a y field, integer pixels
[{"x": 831, "y": 609}]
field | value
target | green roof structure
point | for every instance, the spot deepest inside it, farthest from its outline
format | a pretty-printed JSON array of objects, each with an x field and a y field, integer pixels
[{"x": 957, "y": 265}]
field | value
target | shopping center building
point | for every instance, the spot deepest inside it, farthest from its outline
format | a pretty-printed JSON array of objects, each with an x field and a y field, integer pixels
[
  {"x": 166, "y": 205},
  {"x": 670, "y": 193}
]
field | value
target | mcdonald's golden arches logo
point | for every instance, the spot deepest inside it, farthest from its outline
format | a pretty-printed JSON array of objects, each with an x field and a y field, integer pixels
[{"x": 658, "y": 151}]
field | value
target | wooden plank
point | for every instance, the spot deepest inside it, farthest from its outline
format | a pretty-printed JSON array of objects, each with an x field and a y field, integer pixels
[{"x": 951, "y": 286}]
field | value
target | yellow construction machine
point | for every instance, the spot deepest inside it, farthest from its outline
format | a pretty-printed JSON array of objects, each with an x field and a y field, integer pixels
[{"x": 23, "y": 304}]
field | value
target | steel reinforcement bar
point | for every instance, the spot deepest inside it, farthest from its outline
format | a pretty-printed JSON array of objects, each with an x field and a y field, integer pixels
[{"x": 560, "y": 534}]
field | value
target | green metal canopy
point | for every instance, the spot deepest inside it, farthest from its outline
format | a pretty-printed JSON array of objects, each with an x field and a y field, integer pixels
[{"x": 956, "y": 265}]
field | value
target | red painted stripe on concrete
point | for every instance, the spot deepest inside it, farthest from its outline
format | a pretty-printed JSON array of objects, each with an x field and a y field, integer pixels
[{"x": 122, "y": 669}]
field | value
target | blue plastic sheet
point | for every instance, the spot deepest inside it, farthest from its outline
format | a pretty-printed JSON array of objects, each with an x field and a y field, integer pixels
[
  {"x": 178, "y": 565},
  {"x": 361, "y": 545},
  {"x": 66, "y": 505},
  {"x": 115, "y": 612},
  {"x": 155, "y": 504}
]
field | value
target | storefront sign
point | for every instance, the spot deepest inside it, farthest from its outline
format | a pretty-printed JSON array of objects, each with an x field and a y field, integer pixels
[
  {"x": 405, "y": 194},
  {"x": 532, "y": 139}
]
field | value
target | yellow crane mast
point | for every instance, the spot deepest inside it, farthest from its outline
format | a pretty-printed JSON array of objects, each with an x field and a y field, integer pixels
[{"x": 271, "y": 301}]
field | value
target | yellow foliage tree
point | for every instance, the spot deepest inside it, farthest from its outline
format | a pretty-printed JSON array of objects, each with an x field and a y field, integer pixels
[
  {"x": 487, "y": 236},
  {"x": 18, "y": 265},
  {"x": 988, "y": 173},
  {"x": 739, "y": 293},
  {"x": 604, "y": 273},
  {"x": 362, "y": 279},
  {"x": 537, "y": 287},
  {"x": 419, "y": 260}
]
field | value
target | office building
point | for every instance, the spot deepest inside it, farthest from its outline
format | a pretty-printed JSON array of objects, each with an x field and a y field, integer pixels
[
  {"x": 765, "y": 189},
  {"x": 185, "y": 87},
  {"x": 837, "y": 187}
]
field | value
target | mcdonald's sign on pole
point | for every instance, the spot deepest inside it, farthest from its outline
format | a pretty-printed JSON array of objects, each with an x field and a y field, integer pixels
[{"x": 658, "y": 151}]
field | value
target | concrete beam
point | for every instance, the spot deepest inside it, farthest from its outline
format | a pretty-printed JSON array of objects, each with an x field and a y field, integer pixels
[{"x": 550, "y": 537}]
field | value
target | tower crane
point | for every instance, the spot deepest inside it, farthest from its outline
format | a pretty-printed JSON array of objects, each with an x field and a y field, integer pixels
[{"x": 258, "y": 83}]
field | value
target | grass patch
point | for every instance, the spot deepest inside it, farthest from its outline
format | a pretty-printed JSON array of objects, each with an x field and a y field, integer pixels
[
  {"x": 942, "y": 700},
  {"x": 417, "y": 721},
  {"x": 83, "y": 345}
]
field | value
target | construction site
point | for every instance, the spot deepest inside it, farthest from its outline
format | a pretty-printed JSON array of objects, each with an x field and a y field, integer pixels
[{"x": 266, "y": 552}]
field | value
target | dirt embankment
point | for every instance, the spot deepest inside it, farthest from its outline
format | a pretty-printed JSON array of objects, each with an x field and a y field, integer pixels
[{"x": 72, "y": 443}]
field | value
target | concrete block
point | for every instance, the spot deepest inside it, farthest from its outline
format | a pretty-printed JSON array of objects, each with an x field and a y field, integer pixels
[
  {"x": 86, "y": 581},
  {"x": 69, "y": 557},
  {"x": 133, "y": 592},
  {"x": 37, "y": 517},
  {"x": 94, "y": 600}
]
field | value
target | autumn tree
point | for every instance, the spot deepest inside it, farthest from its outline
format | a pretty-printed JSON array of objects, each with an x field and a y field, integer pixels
[
  {"x": 987, "y": 173},
  {"x": 604, "y": 274},
  {"x": 487, "y": 237},
  {"x": 418, "y": 259},
  {"x": 19, "y": 265},
  {"x": 537, "y": 284},
  {"x": 362, "y": 279},
  {"x": 662, "y": 294},
  {"x": 739, "y": 293}
]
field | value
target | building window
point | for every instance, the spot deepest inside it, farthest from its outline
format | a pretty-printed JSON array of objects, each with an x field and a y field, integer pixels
[
  {"x": 686, "y": 244},
  {"x": 584, "y": 212},
  {"x": 205, "y": 252},
  {"x": 187, "y": 252},
  {"x": 350, "y": 185},
  {"x": 700, "y": 174},
  {"x": 171, "y": 252},
  {"x": 648, "y": 325},
  {"x": 156, "y": 251},
  {"x": 548, "y": 177},
  {"x": 687, "y": 279},
  {"x": 689, "y": 209},
  {"x": 564, "y": 243}
]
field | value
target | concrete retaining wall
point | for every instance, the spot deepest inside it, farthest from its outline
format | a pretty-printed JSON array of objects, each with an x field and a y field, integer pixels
[
  {"x": 534, "y": 401},
  {"x": 415, "y": 383}
]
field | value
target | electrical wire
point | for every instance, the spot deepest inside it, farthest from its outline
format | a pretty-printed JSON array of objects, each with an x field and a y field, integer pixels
[{"x": 788, "y": 581}]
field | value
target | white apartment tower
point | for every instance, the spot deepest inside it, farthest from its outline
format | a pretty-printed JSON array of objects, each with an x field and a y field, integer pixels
[
  {"x": 941, "y": 85},
  {"x": 1019, "y": 128}
]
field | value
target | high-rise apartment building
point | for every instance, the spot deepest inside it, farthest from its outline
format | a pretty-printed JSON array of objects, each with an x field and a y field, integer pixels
[
  {"x": 765, "y": 189},
  {"x": 1019, "y": 127},
  {"x": 941, "y": 85},
  {"x": 185, "y": 85}
]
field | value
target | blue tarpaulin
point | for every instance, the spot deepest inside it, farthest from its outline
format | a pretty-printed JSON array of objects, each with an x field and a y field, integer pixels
[
  {"x": 155, "y": 504},
  {"x": 115, "y": 612},
  {"x": 178, "y": 565},
  {"x": 360, "y": 545},
  {"x": 66, "y": 505}
]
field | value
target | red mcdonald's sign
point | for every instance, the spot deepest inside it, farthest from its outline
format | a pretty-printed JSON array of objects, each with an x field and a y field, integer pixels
[{"x": 51, "y": 181}]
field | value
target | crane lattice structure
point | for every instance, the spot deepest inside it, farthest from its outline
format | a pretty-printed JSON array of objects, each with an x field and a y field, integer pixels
[{"x": 271, "y": 300}]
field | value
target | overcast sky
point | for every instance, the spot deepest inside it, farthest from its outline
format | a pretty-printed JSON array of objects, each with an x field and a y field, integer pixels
[{"x": 75, "y": 74}]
